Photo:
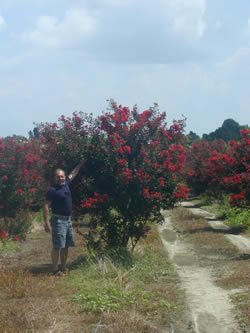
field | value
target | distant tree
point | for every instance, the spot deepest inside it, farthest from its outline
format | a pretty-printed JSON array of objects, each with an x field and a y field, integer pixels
[
  {"x": 230, "y": 130},
  {"x": 34, "y": 133},
  {"x": 244, "y": 127},
  {"x": 190, "y": 138},
  {"x": 18, "y": 138}
]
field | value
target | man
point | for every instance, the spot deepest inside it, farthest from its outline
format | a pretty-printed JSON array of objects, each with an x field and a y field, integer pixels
[{"x": 59, "y": 199}]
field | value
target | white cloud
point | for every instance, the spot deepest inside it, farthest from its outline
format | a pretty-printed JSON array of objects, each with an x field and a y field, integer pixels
[
  {"x": 76, "y": 26},
  {"x": 156, "y": 33},
  {"x": 3, "y": 24},
  {"x": 238, "y": 63},
  {"x": 187, "y": 18}
]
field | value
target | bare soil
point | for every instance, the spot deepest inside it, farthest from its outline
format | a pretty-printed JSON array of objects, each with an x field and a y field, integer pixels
[{"x": 33, "y": 300}]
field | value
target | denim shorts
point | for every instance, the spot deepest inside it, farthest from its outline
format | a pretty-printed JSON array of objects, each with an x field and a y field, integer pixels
[{"x": 62, "y": 232}]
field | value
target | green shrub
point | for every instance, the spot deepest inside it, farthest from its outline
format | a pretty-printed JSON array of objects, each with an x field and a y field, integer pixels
[{"x": 238, "y": 217}]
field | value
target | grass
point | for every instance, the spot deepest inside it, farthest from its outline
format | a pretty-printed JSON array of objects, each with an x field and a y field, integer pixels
[
  {"x": 235, "y": 217},
  {"x": 9, "y": 246},
  {"x": 118, "y": 291},
  {"x": 142, "y": 284}
]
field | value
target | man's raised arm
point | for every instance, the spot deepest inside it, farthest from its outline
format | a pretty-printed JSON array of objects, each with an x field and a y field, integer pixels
[{"x": 75, "y": 171}]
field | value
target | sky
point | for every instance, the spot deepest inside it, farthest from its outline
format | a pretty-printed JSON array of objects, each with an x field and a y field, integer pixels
[{"x": 192, "y": 57}]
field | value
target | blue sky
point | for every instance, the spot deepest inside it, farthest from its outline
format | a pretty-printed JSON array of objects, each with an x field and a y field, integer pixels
[{"x": 190, "y": 56}]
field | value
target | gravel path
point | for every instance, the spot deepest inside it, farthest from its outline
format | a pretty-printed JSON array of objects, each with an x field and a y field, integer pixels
[{"x": 210, "y": 308}]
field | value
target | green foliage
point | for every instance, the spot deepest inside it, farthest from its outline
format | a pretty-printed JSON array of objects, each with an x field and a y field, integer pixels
[
  {"x": 113, "y": 298},
  {"x": 230, "y": 130},
  {"x": 7, "y": 245},
  {"x": 121, "y": 279},
  {"x": 238, "y": 217},
  {"x": 105, "y": 300},
  {"x": 235, "y": 217},
  {"x": 190, "y": 138}
]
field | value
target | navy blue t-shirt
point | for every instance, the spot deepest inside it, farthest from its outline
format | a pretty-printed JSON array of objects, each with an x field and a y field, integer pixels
[{"x": 61, "y": 199}]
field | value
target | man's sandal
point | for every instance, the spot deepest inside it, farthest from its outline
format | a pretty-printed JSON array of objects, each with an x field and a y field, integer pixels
[{"x": 58, "y": 273}]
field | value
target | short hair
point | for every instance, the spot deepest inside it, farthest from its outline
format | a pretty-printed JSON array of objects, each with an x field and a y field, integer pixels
[{"x": 58, "y": 169}]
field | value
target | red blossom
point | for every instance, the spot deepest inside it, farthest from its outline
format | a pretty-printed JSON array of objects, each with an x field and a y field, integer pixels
[
  {"x": 87, "y": 205},
  {"x": 20, "y": 191},
  {"x": 162, "y": 181},
  {"x": 122, "y": 162},
  {"x": 127, "y": 149},
  {"x": 3, "y": 234},
  {"x": 120, "y": 150}
]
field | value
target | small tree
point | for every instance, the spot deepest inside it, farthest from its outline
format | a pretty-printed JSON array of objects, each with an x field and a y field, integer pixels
[
  {"x": 133, "y": 169},
  {"x": 21, "y": 183}
]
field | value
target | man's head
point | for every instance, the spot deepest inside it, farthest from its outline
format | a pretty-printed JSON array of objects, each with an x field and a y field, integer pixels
[{"x": 60, "y": 177}]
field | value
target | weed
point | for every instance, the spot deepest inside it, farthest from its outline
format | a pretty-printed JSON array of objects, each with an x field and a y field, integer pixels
[
  {"x": 14, "y": 284},
  {"x": 7, "y": 245},
  {"x": 106, "y": 300},
  {"x": 238, "y": 218}
]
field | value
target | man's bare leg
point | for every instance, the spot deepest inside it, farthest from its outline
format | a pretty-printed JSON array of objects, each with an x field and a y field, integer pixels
[
  {"x": 55, "y": 258},
  {"x": 64, "y": 256}
]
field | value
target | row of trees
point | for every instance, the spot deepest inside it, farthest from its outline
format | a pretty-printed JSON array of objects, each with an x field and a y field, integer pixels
[
  {"x": 135, "y": 164},
  {"x": 229, "y": 130},
  {"x": 218, "y": 168}
]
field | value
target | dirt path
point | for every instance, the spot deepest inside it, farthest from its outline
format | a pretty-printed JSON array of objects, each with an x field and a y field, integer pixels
[
  {"x": 210, "y": 306},
  {"x": 241, "y": 242}
]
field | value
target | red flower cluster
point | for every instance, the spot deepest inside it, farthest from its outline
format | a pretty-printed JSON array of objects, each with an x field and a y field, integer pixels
[
  {"x": 92, "y": 202},
  {"x": 182, "y": 192},
  {"x": 151, "y": 194},
  {"x": 21, "y": 174},
  {"x": 221, "y": 167},
  {"x": 3, "y": 234}
]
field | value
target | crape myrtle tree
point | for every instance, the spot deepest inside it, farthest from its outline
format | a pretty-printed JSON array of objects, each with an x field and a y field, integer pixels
[
  {"x": 133, "y": 169},
  {"x": 21, "y": 183},
  {"x": 64, "y": 144},
  {"x": 218, "y": 167}
]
